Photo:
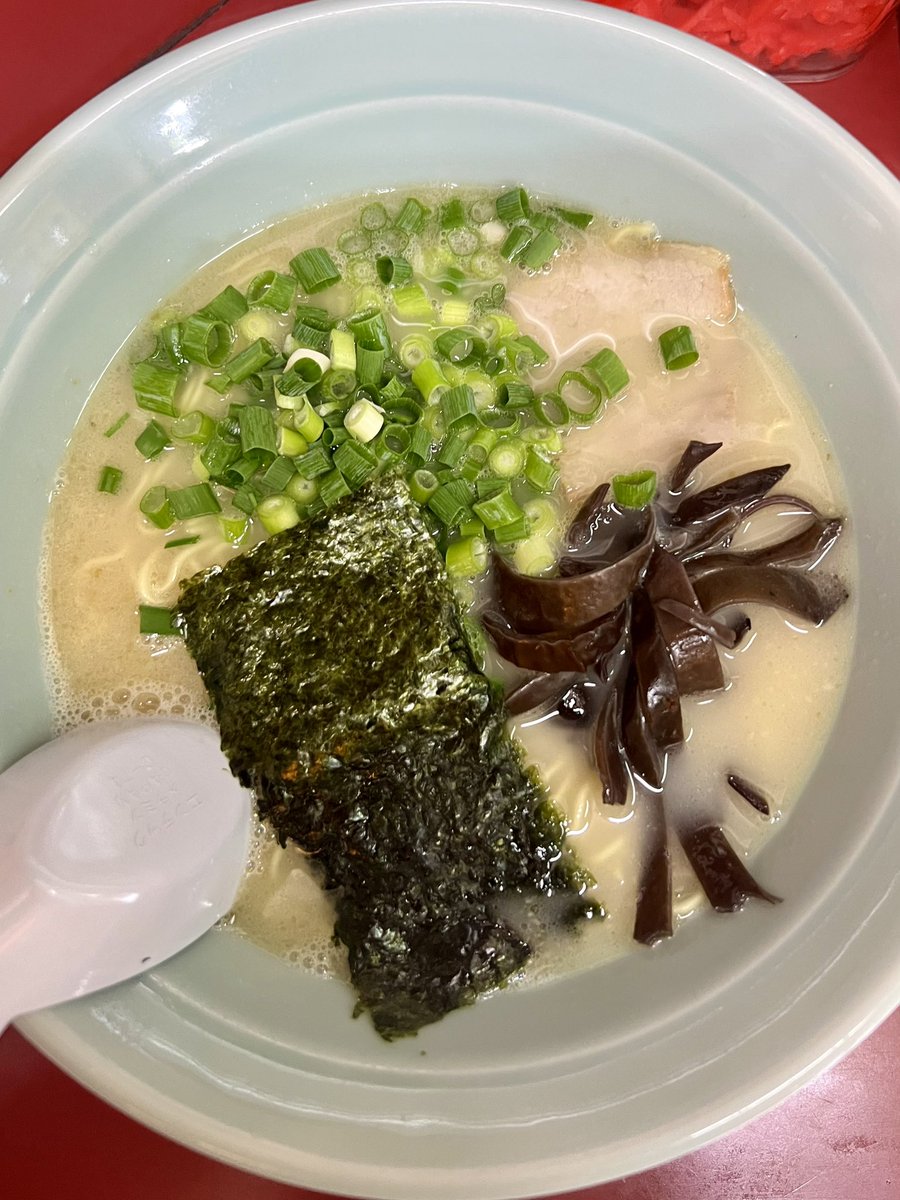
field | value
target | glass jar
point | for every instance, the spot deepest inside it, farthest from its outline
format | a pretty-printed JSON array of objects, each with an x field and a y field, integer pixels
[{"x": 798, "y": 40}]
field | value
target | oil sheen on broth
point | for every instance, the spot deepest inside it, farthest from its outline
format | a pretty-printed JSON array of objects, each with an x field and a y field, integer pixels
[{"x": 616, "y": 285}]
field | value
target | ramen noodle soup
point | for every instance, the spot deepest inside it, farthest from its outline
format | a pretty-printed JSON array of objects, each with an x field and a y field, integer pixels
[{"x": 605, "y": 285}]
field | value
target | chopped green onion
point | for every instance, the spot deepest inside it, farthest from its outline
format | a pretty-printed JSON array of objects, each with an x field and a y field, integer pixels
[
  {"x": 411, "y": 303},
  {"x": 301, "y": 490},
  {"x": 609, "y": 370},
  {"x": 484, "y": 439},
  {"x": 334, "y": 436},
  {"x": 429, "y": 379},
  {"x": 539, "y": 252},
  {"x": 357, "y": 463},
  {"x": 257, "y": 427},
  {"x": 490, "y": 486},
  {"x": 277, "y": 513},
  {"x": 227, "y": 307},
  {"x": 289, "y": 442},
  {"x": 174, "y": 543},
  {"x": 678, "y": 348},
  {"x": 343, "y": 350},
  {"x": 315, "y": 270},
  {"x": 419, "y": 445},
  {"x": 195, "y": 427},
  {"x": 415, "y": 349},
  {"x": 270, "y": 289},
  {"x": 517, "y": 241},
  {"x": 370, "y": 330},
  {"x": 308, "y": 337},
  {"x": 364, "y": 421},
  {"x": 551, "y": 409},
  {"x": 392, "y": 270},
  {"x": 276, "y": 476},
  {"x": 315, "y": 462},
  {"x": 337, "y": 386},
  {"x": 411, "y": 217},
  {"x": 314, "y": 316},
  {"x": 453, "y": 451},
  {"x": 219, "y": 453},
  {"x": 498, "y": 510},
  {"x": 373, "y": 216},
  {"x": 354, "y": 241},
  {"x": 450, "y": 503},
  {"x": 542, "y": 515},
  {"x": 392, "y": 443},
  {"x": 234, "y": 529},
  {"x": 206, "y": 340},
  {"x": 168, "y": 346},
  {"x": 513, "y": 393},
  {"x": 460, "y": 345},
  {"x": 154, "y": 620},
  {"x": 583, "y": 399},
  {"x": 199, "y": 500},
  {"x": 333, "y": 412},
  {"x": 472, "y": 528},
  {"x": 116, "y": 426},
  {"x": 155, "y": 387},
  {"x": 498, "y": 326},
  {"x": 513, "y": 206},
  {"x": 393, "y": 389},
  {"x": 544, "y": 220},
  {"x": 534, "y": 556},
  {"x": 332, "y": 488},
  {"x": 463, "y": 242},
  {"x": 246, "y": 498},
  {"x": 467, "y": 557},
  {"x": 634, "y": 491},
  {"x": 422, "y": 485},
  {"x": 514, "y": 531},
  {"x": 545, "y": 438},
  {"x": 442, "y": 270},
  {"x": 371, "y": 368},
  {"x": 502, "y": 420},
  {"x": 403, "y": 412},
  {"x": 156, "y": 507},
  {"x": 578, "y": 220},
  {"x": 110, "y": 480},
  {"x": 540, "y": 473},
  {"x": 291, "y": 387},
  {"x": 453, "y": 214},
  {"x": 308, "y": 423},
  {"x": 457, "y": 403},
  {"x": 151, "y": 441},
  {"x": 525, "y": 352},
  {"x": 507, "y": 459},
  {"x": 240, "y": 471},
  {"x": 248, "y": 362},
  {"x": 455, "y": 311}
]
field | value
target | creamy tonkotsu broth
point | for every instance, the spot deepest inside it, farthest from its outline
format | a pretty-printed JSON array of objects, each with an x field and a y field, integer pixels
[{"x": 614, "y": 285}]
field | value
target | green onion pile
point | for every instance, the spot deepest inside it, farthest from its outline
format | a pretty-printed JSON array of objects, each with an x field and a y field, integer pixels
[{"x": 428, "y": 375}]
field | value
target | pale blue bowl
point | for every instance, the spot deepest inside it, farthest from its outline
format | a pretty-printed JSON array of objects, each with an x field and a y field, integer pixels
[{"x": 614, "y": 1070}]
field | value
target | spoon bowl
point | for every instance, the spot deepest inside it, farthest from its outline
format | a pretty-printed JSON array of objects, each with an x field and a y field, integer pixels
[{"x": 120, "y": 844}]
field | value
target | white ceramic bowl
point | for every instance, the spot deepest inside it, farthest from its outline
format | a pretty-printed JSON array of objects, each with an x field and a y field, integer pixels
[{"x": 614, "y": 1070}]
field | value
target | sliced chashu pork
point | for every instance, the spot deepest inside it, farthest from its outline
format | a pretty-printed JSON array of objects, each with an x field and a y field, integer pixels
[{"x": 604, "y": 288}]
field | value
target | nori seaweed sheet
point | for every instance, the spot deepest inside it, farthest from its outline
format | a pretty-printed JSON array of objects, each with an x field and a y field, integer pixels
[{"x": 347, "y": 697}]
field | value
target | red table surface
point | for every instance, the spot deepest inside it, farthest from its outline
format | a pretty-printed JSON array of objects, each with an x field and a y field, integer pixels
[{"x": 838, "y": 1139}]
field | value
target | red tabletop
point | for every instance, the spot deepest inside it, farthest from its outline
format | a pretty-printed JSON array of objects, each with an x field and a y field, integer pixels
[{"x": 838, "y": 1139}]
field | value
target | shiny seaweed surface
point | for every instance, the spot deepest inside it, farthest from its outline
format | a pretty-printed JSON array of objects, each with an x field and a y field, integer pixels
[{"x": 348, "y": 698}]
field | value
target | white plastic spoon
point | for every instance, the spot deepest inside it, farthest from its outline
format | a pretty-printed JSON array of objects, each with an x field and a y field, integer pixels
[{"x": 120, "y": 844}]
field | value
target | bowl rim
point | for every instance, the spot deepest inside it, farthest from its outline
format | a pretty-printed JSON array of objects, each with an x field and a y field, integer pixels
[{"x": 50, "y": 1031}]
